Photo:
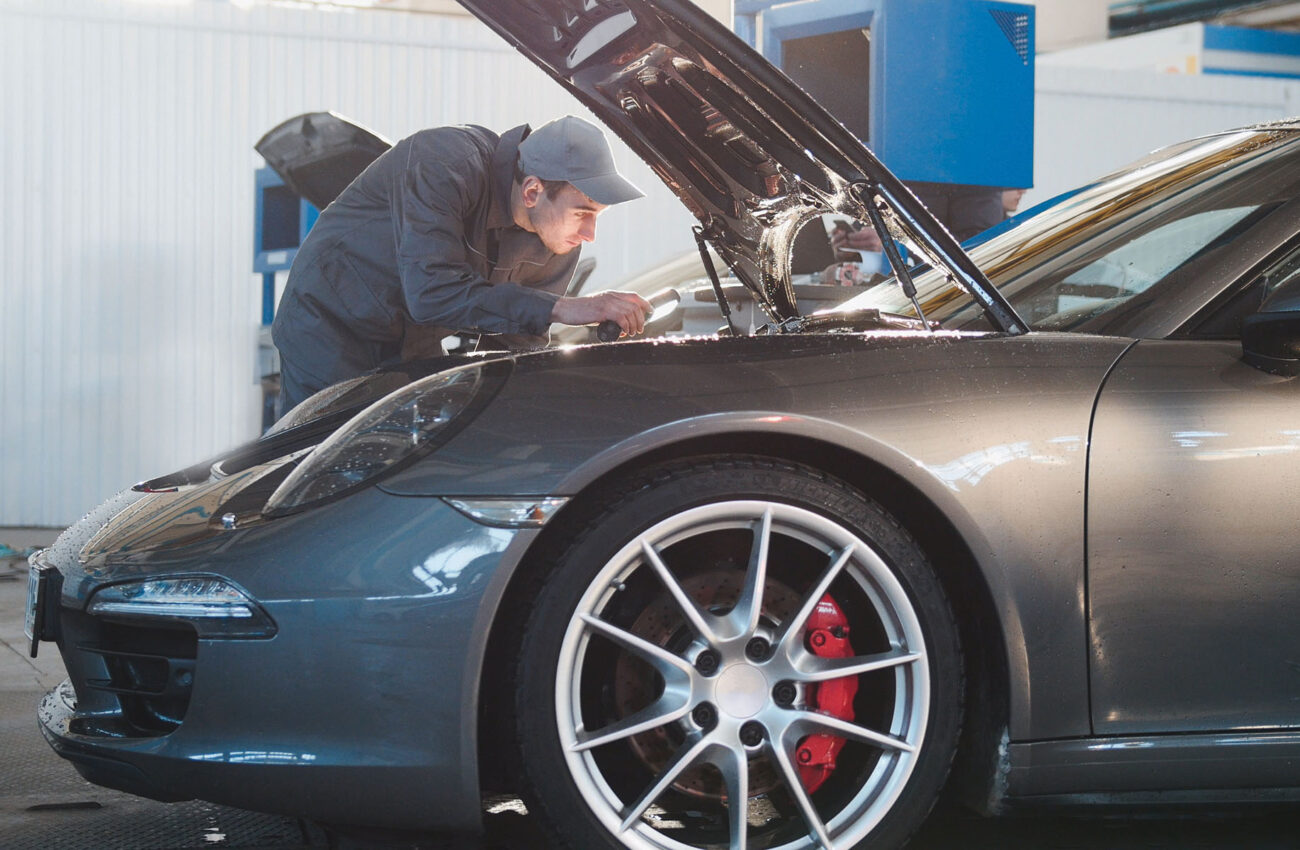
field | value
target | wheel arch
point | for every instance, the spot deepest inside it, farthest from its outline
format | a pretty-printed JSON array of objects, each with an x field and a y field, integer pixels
[{"x": 980, "y": 627}]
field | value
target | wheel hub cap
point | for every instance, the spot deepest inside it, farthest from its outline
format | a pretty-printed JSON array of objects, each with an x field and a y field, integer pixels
[{"x": 741, "y": 691}]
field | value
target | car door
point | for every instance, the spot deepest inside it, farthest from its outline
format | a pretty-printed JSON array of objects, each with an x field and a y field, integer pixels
[{"x": 1194, "y": 574}]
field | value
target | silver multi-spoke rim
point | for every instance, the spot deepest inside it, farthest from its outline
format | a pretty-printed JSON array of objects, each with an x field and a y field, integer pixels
[{"x": 740, "y": 692}]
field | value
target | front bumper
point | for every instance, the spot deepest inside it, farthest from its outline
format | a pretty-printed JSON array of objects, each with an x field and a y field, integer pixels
[
  {"x": 283, "y": 783},
  {"x": 361, "y": 709}
]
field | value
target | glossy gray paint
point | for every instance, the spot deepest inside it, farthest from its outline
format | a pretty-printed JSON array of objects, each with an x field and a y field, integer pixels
[
  {"x": 402, "y": 609},
  {"x": 970, "y": 450},
  {"x": 1014, "y": 423},
  {"x": 1237, "y": 767},
  {"x": 1194, "y": 580}
]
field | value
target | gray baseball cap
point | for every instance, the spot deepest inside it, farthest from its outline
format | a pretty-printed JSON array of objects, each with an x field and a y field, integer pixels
[{"x": 574, "y": 150}]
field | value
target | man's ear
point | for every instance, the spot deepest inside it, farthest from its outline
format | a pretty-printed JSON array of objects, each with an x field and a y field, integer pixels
[{"x": 530, "y": 191}]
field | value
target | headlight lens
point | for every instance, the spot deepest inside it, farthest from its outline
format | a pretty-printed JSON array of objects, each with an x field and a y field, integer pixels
[
  {"x": 399, "y": 427},
  {"x": 212, "y": 605},
  {"x": 315, "y": 405},
  {"x": 350, "y": 393}
]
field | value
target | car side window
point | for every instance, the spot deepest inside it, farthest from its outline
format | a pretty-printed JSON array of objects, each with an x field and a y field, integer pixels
[
  {"x": 1117, "y": 272},
  {"x": 1223, "y": 320}
]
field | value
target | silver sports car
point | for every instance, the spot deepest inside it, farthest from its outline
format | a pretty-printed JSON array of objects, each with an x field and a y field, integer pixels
[{"x": 1030, "y": 539}]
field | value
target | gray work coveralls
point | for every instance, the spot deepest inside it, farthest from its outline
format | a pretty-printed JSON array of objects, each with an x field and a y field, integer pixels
[{"x": 422, "y": 244}]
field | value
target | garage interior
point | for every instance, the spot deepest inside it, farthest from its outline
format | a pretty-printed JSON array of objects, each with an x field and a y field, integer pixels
[{"x": 136, "y": 285}]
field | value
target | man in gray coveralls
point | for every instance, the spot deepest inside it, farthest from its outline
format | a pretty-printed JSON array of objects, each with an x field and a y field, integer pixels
[{"x": 454, "y": 229}]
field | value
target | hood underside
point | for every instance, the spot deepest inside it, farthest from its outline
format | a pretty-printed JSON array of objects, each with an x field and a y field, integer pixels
[
  {"x": 318, "y": 154},
  {"x": 749, "y": 153}
]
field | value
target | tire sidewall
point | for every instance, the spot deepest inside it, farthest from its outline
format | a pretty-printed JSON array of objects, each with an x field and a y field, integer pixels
[{"x": 646, "y": 502}]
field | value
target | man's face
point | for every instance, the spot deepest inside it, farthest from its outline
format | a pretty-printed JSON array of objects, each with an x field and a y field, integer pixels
[
  {"x": 1011, "y": 199},
  {"x": 563, "y": 222}
]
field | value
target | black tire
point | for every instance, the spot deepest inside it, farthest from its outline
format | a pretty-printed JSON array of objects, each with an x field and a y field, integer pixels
[{"x": 617, "y": 686}]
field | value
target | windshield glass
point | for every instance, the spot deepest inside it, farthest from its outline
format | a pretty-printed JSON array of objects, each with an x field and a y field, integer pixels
[{"x": 1090, "y": 251}]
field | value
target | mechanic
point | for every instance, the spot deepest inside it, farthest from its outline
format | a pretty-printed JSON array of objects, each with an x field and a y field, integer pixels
[
  {"x": 454, "y": 229},
  {"x": 964, "y": 210},
  {"x": 848, "y": 241}
]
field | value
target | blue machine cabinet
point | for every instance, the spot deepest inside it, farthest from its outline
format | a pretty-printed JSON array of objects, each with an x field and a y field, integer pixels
[
  {"x": 281, "y": 221},
  {"x": 941, "y": 90}
]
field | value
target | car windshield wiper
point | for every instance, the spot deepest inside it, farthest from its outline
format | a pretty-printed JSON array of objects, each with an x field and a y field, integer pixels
[{"x": 869, "y": 319}]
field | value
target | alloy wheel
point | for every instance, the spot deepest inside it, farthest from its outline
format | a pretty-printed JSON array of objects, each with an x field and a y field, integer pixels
[{"x": 710, "y": 608}]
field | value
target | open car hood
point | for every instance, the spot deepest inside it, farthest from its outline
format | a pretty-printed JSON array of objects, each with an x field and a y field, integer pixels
[
  {"x": 751, "y": 155},
  {"x": 318, "y": 154}
]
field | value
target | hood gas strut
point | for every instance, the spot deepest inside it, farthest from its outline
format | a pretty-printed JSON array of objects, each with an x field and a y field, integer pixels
[
  {"x": 895, "y": 258},
  {"x": 713, "y": 277}
]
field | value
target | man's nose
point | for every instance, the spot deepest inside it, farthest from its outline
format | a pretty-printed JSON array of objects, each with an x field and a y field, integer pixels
[{"x": 587, "y": 231}]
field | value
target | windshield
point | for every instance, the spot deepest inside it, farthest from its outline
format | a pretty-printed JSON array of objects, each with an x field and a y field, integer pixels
[{"x": 1091, "y": 251}]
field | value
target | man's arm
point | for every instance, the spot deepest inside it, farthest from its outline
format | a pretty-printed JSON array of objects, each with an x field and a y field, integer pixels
[{"x": 444, "y": 182}]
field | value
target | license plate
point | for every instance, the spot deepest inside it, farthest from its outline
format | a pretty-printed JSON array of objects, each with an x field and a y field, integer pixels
[{"x": 38, "y": 590}]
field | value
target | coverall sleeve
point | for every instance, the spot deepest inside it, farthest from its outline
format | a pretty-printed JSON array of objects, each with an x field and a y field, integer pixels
[{"x": 441, "y": 187}]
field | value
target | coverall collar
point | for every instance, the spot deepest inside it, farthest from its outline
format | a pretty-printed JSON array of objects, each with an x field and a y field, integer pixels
[{"x": 503, "y": 176}]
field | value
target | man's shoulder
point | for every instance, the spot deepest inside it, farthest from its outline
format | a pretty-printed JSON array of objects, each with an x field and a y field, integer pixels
[{"x": 453, "y": 142}]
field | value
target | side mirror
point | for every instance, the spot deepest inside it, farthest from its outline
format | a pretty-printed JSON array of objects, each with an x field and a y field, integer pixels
[{"x": 1271, "y": 342}]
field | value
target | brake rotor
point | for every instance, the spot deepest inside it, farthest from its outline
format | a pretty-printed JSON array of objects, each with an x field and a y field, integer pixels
[{"x": 661, "y": 623}]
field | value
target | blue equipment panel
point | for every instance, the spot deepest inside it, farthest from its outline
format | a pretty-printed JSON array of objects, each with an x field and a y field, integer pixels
[
  {"x": 941, "y": 90},
  {"x": 281, "y": 222}
]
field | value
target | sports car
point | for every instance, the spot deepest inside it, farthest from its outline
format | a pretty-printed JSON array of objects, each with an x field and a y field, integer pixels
[{"x": 1018, "y": 524}]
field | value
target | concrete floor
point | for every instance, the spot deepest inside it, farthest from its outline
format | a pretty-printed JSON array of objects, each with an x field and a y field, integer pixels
[{"x": 45, "y": 805}]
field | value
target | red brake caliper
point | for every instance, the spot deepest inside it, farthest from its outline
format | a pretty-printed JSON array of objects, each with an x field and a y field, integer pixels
[{"x": 828, "y": 637}]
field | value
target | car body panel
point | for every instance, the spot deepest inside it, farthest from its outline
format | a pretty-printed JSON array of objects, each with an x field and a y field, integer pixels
[
  {"x": 1193, "y": 581},
  {"x": 430, "y": 567},
  {"x": 975, "y": 456},
  {"x": 970, "y": 448},
  {"x": 1225, "y": 768}
]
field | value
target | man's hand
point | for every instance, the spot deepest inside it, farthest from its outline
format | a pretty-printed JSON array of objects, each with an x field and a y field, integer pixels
[{"x": 626, "y": 309}]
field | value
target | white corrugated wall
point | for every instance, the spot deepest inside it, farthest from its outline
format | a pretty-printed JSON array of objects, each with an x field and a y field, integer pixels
[
  {"x": 128, "y": 308},
  {"x": 1089, "y": 121}
]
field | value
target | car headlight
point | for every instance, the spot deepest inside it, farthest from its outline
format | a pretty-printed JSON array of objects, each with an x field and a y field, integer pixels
[
  {"x": 214, "y": 606},
  {"x": 350, "y": 393},
  {"x": 389, "y": 434},
  {"x": 317, "y": 404}
]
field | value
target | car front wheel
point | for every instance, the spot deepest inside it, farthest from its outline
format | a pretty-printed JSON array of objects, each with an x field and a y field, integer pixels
[{"x": 738, "y": 654}]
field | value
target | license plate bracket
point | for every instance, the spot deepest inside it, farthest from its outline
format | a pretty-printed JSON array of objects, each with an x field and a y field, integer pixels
[{"x": 43, "y": 586}]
